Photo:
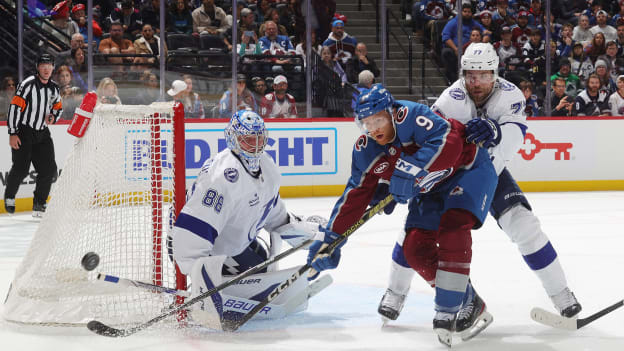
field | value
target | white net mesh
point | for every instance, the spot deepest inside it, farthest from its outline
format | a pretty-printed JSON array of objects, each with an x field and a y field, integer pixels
[{"x": 114, "y": 197}]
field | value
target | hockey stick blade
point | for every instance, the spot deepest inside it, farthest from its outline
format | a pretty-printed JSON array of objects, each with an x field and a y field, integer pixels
[
  {"x": 105, "y": 330},
  {"x": 233, "y": 325},
  {"x": 556, "y": 321},
  {"x": 141, "y": 285}
]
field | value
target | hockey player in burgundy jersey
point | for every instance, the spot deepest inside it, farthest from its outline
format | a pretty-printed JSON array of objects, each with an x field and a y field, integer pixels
[{"x": 449, "y": 185}]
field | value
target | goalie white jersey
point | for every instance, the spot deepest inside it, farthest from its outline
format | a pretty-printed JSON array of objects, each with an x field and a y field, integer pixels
[
  {"x": 226, "y": 209},
  {"x": 505, "y": 105}
]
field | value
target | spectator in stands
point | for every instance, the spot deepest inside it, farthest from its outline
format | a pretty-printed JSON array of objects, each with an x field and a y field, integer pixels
[
  {"x": 80, "y": 17},
  {"x": 324, "y": 11},
  {"x": 581, "y": 64},
  {"x": 7, "y": 91},
  {"x": 610, "y": 58},
  {"x": 248, "y": 45},
  {"x": 619, "y": 16},
  {"x": 601, "y": 26},
  {"x": 503, "y": 15},
  {"x": 292, "y": 18},
  {"x": 107, "y": 92},
  {"x": 273, "y": 15},
  {"x": 262, "y": 11},
  {"x": 179, "y": 18},
  {"x": 475, "y": 37},
  {"x": 150, "y": 91},
  {"x": 597, "y": 47},
  {"x": 449, "y": 38},
  {"x": 78, "y": 66},
  {"x": 301, "y": 47},
  {"x": 332, "y": 64},
  {"x": 616, "y": 100},
  {"x": 505, "y": 48},
  {"x": 274, "y": 44},
  {"x": 278, "y": 104},
  {"x": 71, "y": 98},
  {"x": 532, "y": 102},
  {"x": 560, "y": 103},
  {"x": 64, "y": 57},
  {"x": 521, "y": 31},
  {"x": 592, "y": 101},
  {"x": 193, "y": 107},
  {"x": 569, "y": 10},
  {"x": 425, "y": 14},
  {"x": 572, "y": 81},
  {"x": 61, "y": 23},
  {"x": 129, "y": 17},
  {"x": 581, "y": 33},
  {"x": 565, "y": 41},
  {"x": 620, "y": 39},
  {"x": 246, "y": 24},
  {"x": 150, "y": 14},
  {"x": 536, "y": 13},
  {"x": 366, "y": 79},
  {"x": 515, "y": 71},
  {"x": 538, "y": 72},
  {"x": 65, "y": 77},
  {"x": 592, "y": 10},
  {"x": 244, "y": 97},
  {"x": 360, "y": 62},
  {"x": 148, "y": 43},
  {"x": 209, "y": 18},
  {"x": 491, "y": 32},
  {"x": 177, "y": 91},
  {"x": 341, "y": 44},
  {"x": 606, "y": 83},
  {"x": 117, "y": 44},
  {"x": 259, "y": 88},
  {"x": 534, "y": 48}
]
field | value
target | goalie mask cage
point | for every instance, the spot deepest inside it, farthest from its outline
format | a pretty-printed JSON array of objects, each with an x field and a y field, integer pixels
[{"x": 117, "y": 196}]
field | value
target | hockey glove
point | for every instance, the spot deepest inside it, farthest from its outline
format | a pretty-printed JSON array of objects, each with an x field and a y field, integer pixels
[
  {"x": 404, "y": 184},
  {"x": 320, "y": 260},
  {"x": 483, "y": 131},
  {"x": 383, "y": 190}
]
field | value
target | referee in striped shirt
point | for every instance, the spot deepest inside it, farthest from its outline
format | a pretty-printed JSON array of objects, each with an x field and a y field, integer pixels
[{"x": 37, "y": 103}]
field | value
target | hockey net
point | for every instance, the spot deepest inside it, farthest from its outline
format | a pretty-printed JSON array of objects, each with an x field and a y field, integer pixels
[{"x": 117, "y": 196}]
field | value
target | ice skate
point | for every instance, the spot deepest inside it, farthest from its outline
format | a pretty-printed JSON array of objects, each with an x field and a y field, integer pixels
[
  {"x": 565, "y": 302},
  {"x": 390, "y": 306},
  {"x": 444, "y": 325},
  {"x": 9, "y": 205},
  {"x": 473, "y": 318},
  {"x": 38, "y": 210}
]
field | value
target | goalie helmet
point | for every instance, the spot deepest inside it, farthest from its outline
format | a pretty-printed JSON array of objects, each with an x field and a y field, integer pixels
[
  {"x": 246, "y": 135},
  {"x": 481, "y": 57}
]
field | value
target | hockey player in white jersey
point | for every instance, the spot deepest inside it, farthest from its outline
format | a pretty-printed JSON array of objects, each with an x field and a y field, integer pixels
[
  {"x": 493, "y": 110},
  {"x": 235, "y": 195}
]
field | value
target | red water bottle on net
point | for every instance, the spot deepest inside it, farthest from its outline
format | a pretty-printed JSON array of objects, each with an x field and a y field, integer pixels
[{"x": 83, "y": 115}]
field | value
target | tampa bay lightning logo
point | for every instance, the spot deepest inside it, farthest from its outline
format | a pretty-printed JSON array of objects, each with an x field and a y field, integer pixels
[
  {"x": 457, "y": 94},
  {"x": 506, "y": 86},
  {"x": 231, "y": 174}
]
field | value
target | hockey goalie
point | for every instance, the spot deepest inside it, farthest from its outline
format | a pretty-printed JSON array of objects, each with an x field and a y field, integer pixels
[{"x": 215, "y": 237}]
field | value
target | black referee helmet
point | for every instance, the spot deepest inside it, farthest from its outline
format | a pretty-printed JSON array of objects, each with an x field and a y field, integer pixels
[{"x": 45, "y": 58}]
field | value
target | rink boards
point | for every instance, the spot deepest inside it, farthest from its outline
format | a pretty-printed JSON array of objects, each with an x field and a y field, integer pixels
[{"x": 314, "y": 156}]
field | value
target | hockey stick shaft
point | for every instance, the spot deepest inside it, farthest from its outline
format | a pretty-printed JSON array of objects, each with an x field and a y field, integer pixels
[
  {"x": 233, "y": 325},
  {"x": 105, "y": 330},
  {"x": 556, "y": 321},
  {"x": 139, "y": 284},
  {"x": 584, "y": 321}
]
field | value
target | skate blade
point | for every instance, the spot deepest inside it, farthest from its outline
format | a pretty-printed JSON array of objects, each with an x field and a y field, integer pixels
[
  {"x": 484, "y": 320},
  {"x": 445, "y": 337}
]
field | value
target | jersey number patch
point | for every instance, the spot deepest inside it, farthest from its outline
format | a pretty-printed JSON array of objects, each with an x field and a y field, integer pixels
[{"x": 213, "y": 199}]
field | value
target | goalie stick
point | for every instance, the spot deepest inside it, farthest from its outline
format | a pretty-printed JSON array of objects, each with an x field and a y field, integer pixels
[
  {"x": 139, "y": 284},
  {"x": 233, "y": 325},
  {"x": 556, "y": 321},
  {"x": 106, "y": 330}
]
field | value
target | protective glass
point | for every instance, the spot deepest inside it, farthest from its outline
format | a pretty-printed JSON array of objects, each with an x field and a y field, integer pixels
[{"x": 373, "y": 122}]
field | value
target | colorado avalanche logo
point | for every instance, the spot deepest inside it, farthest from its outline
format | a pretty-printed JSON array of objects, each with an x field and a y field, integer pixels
[
  {"x": 361, "y": 143},
  {"x": 401, "y": 114},
  {"x": 506, "y": 86},
  {"x": 381, "y": 168},
  {"x": 457, "y": 94},
  {"x": 231, "y": 174}
]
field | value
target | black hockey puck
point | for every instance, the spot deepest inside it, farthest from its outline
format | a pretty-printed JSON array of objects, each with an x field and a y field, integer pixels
[{"x": 90, "y": 260}]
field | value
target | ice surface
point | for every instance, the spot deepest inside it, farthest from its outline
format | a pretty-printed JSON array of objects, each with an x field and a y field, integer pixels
[{"x": 585, "y": 228}]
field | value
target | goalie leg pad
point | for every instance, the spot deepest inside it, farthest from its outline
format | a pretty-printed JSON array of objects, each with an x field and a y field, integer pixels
[{"x": 205, "y": 275}]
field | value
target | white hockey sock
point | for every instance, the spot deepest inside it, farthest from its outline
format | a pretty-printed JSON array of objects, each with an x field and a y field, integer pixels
[
  {"x": 400, "y": 278},
  {"x": 523, "y": 228}
]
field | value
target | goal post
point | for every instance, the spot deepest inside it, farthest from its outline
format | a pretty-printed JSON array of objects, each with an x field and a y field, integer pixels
[{"x": 118, "y": 195}]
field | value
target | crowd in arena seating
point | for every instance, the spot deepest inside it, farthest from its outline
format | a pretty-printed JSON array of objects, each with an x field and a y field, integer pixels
[{"x": 586, "y": 48}]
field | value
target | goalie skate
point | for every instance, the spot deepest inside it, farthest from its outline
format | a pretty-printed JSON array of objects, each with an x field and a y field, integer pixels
[{"x": 473, "y": 318}]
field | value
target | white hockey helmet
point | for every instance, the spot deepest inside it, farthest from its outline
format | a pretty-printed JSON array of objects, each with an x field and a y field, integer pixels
[{"x": 479, "y": 56}]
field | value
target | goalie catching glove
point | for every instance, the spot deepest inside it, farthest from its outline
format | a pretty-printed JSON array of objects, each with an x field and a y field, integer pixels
[{"x": 300, "y": 228}]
